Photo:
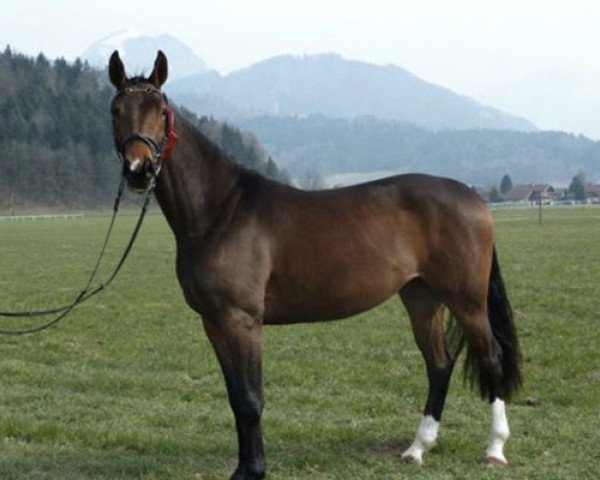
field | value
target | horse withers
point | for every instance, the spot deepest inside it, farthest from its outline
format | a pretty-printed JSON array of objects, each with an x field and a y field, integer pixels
[{"x": 253, "y": 252}]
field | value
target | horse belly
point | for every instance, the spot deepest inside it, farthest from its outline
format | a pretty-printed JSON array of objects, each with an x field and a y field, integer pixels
[{"x": 330, "y": 295}]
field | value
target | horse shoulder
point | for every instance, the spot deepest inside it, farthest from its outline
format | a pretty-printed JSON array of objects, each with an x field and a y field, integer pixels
[{"x": 230, "y": 268}]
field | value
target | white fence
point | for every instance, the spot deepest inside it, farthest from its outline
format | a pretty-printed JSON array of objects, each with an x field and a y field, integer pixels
[{"x": 16, "y": 218}]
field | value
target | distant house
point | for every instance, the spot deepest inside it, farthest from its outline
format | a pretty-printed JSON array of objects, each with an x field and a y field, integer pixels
[
  {"x": 592, "y": 193},
  {"x": 560, "y": 194},
  {"x": 528, "y": 193}
]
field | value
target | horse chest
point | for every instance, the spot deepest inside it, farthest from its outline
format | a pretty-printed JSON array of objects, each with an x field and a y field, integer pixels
[{"x": 222, "y": 279}]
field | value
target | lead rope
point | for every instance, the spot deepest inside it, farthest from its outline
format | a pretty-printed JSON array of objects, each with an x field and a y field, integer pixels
[{"x": 86, "y": 293}]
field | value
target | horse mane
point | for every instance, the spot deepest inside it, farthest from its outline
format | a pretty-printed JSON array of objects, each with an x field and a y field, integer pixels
[{"x": 137, "y": 80}]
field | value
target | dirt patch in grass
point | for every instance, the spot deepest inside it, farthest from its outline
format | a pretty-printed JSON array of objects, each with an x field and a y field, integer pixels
[
  {"x": 593, "y": 375},
  {"x": 529, "y": 402},
  {"x": 391, "y": 447}
]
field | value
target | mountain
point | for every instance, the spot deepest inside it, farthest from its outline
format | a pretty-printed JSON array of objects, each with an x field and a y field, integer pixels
[
  {"x": 326, "y": 115},
  {"x": 139, "y": 51},
  {"x": 321, "y": 146},
  {"x": 333, "y": 86},
  {"x": 560, "y": 98}
]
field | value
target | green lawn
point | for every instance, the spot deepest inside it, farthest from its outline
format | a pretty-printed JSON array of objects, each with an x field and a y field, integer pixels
[{"x": 128, "y": 386}]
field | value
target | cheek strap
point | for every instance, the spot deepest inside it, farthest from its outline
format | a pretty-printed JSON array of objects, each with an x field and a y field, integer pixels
[{"x": 171, "y": 136}]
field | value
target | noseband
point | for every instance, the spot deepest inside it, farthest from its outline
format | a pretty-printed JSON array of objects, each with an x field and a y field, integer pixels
[{"x": 161, "y": 150}]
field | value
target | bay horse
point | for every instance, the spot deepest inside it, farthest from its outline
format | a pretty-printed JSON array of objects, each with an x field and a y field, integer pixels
[{"x": 253, "y": 252}]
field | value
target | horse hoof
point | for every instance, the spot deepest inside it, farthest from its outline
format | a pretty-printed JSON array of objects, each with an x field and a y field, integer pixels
[
  {"x": 412, "y": 459},
  {"x": 243, "y": 474},
  {"x": 497, "y": 462}
]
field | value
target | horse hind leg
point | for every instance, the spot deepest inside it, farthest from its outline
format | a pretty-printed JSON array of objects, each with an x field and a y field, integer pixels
[
  {"x": 426, "y": 315},
  {"x": 506, "y": 347},
  {"x": 485, "y": 366}
]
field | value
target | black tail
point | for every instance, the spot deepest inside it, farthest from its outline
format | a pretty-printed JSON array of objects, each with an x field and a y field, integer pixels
[{"x": 506, "y": 356}]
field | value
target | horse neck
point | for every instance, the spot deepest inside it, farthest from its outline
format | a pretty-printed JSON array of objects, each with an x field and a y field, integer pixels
[{"x": 196, "y": 182}]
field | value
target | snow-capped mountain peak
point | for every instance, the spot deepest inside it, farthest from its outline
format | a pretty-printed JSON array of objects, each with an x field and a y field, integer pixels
[{"x": 138, "y": 51}]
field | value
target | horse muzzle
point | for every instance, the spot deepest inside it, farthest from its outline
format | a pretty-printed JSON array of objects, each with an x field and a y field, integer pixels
[
  {"x": 140, "y": 157},
  {"x": 138, "y": 173}
]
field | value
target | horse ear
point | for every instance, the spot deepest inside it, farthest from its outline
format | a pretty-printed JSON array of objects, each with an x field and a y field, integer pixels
[
  {"x": 161, "y": 70},
  {"x": 116, "y": 70}
]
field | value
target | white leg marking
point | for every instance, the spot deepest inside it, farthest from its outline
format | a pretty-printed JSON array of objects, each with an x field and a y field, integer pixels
[
  {"x": 499, "y": 433},
  {"x": 424, "y": 440}
]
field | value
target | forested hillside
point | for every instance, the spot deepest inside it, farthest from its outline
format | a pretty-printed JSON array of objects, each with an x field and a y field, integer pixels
[
  {"x": 325, "y": 146},
  {"x": 56, "y": 147}
]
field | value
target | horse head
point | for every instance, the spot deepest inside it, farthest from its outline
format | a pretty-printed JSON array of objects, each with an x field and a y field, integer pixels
[{"x": 142, "y": 121}]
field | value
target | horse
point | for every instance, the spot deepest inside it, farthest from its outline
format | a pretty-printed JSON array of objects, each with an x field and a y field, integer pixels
[{"x": 252, "y": 251}]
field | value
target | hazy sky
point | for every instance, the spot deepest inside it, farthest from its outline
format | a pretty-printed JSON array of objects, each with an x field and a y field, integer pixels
[{"x": 468, "y": 46}]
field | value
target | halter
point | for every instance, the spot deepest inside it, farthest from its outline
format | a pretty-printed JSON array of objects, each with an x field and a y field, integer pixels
[{"x": 162, "y": 150}]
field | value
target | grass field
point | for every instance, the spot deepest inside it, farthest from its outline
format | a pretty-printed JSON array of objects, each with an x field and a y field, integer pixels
[{"x": 128, "y": 387}]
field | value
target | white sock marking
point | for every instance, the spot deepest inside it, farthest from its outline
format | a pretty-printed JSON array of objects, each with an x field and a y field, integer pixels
[
  {"x": 424, "y": 439},
  {"x": 499, "y": 432}
]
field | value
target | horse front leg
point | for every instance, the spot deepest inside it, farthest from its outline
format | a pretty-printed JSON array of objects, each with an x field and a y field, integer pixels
[{"x": 235, "y": 336}]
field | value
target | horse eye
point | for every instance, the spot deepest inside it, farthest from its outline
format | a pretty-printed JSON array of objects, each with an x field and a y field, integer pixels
[{"x": 114, "y": 111}]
